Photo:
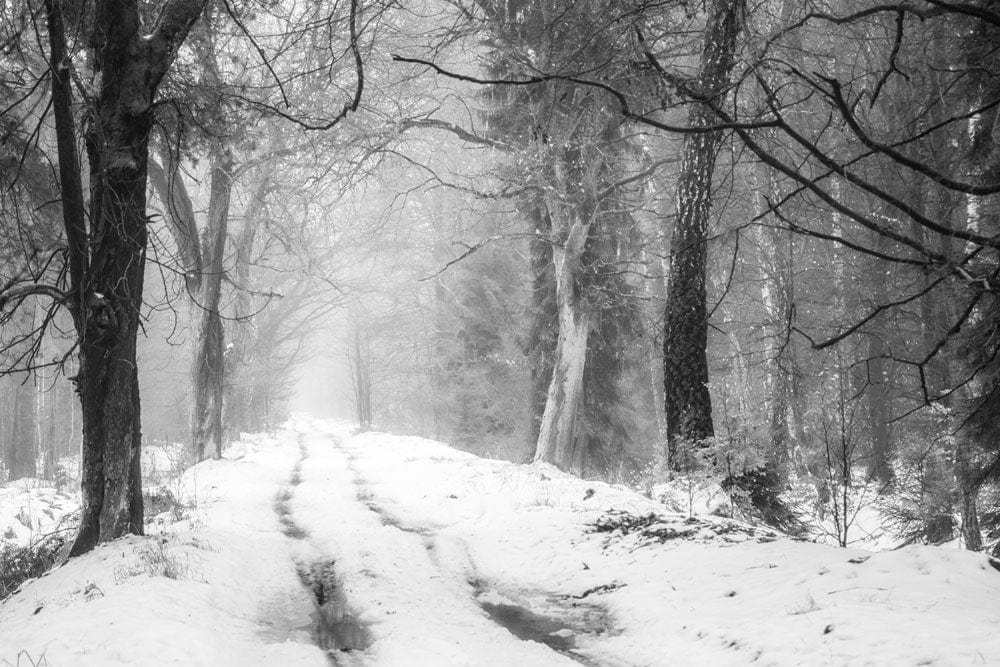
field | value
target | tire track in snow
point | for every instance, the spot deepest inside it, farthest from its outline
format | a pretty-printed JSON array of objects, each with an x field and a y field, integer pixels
[
  {"x": 417, "y": 614},
  {"x": 334, "y": 629},
  {"x": 552, "y": 620}
]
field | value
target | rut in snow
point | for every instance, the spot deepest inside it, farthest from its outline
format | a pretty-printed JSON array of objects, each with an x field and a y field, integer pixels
[
  {"x": 282, "y": 501},
  {"x": 556, "y": 621},
  {"x": 334, "y": 627},
  {"x": 366, "y": 498}
]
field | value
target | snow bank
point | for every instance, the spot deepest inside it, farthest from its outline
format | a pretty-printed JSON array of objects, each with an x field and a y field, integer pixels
[
  {"x": 217, "y": 588},
  {"x": 690, "y": 591},
  {"x": 438, "y": 558},
  {"x": 31, "y": 508}
]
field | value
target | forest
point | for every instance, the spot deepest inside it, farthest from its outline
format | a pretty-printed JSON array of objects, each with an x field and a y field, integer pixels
[{"x": 744, "y": 249}]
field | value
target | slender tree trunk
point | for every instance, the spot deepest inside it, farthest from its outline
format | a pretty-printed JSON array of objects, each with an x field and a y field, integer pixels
[
  {"x": 878, "y": 396},
  {"x": 655, "y": 291},
  {"x": 544, "y": 334},
  {"x": 22, "y": 448},
  {"x": 968, "y": 488},
  {"x": 49, "y": 438},
  {"x": 359, "y": 358},
  {"x": 775, "y": 293},
  {"x": 209, "y": 361},
  {"x": 685, "y": 330},
  {"x": 878, "y": 390}
]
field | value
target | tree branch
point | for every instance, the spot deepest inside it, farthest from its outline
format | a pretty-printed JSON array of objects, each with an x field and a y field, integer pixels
[{"x": 169, "y": 32}]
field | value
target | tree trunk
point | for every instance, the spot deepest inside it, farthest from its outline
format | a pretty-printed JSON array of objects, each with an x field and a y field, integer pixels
[
  {"x": 106, "y": 273},
  {"x": 543, "y": 335},
  {"x": 655, "y": 292},
  {"x": 108, "y": 381},
  {"x": 48, "y": 444},
  {"x": 685, "y": 329},
  {"x": 360, "y": 360},
  {"x": 22, "y": 448},
  {"x": 972, "y": 537},
  {"x": 209, "y": 361},
  {"x": 557, "y": 438},
  {"x": 878, "y": 396}
]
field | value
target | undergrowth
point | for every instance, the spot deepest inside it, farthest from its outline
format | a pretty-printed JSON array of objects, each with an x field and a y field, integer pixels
[{"x": 20, "y": 563}]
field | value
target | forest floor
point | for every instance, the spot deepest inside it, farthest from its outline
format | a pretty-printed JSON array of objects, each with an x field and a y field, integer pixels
[{"x": 318, "y": 546}]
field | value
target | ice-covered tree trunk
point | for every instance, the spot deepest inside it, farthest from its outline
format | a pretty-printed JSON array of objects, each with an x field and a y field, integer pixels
[
  {"x": 685, "y": 329},
  {"x": 557, "y": 438},
  {"x": 209, "y": 361}
]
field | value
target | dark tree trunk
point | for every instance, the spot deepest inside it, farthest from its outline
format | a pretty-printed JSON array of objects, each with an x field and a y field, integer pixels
[
  {"x": 108, "y": 381},
  {"x": 685, "y": 329},
  {"x": 687, "y": 401},
  {"x": 878, "y": 389},
  {"x": 107, "y": 273},
  {"x": 878, "y": 396}
]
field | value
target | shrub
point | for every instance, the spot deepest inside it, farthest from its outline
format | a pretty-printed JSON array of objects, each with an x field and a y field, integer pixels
[{"x": 21, "y": 563}]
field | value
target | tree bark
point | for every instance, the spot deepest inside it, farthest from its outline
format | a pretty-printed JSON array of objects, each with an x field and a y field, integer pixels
[
  {"x": 209, "y": 360},
  {"x": 360, "y": 359},
  {"x": 107, "y": 272},
  {"x": 22, "y": 447},
  {"x": 543, "y": 335},
  {"x": 557, "y": 437},
  {"x": 878, "y": 391},
  {"x": 685, "y": 330}
]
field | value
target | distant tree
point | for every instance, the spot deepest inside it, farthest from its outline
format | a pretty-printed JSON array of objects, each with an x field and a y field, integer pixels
[
  {"x": 910, "y": 184},
  {"x": 572, "y": 152}
]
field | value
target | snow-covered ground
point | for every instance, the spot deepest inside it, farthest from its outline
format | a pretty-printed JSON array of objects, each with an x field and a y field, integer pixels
[
  {"x": 413, "y": 553},
  {"x": 31, "y": 508}
]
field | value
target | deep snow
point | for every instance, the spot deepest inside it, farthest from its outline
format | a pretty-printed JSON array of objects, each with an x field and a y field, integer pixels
[{"x": 434, "y": 553}]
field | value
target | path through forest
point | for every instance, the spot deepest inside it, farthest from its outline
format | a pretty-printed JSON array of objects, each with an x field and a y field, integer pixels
[
  {"x": 320, "y": 545},
  {"x": 368, "y": 565}
]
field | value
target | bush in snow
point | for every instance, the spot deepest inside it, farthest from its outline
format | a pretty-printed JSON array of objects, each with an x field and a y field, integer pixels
[{"x": 20, "y": 563}]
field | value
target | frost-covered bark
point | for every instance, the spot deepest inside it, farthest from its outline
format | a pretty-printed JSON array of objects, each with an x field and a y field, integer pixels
[{"x": 557, "y": 439}]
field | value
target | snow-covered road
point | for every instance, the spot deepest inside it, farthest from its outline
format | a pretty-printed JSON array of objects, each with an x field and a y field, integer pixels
[
  {"x": 409, "y": 553},
  {"x": 405, "y": 581}
]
